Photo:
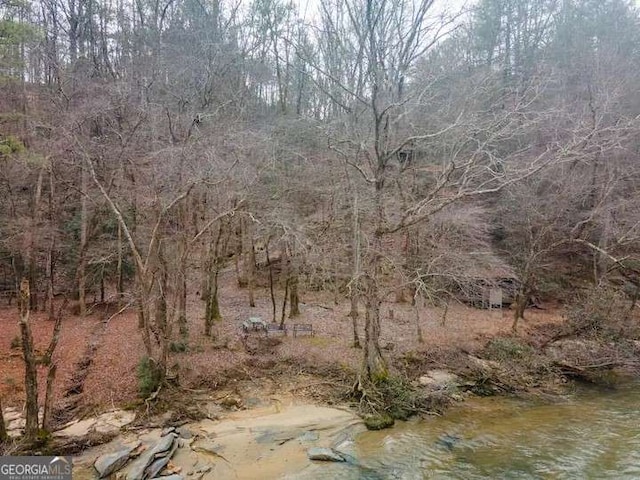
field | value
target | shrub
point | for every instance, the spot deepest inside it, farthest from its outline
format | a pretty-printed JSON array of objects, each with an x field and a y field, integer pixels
[
  {"x": 149, "y": 377},
  {"x": 401, "y": 398},
  {"x": 178, "y": 347},
  {"x": 394, "y": 398},
  {"x": 504, "y": 349},
  {"x": 378, "y": 422},
  {"x": 601, "y": 312},
  {"x": 11, "y": 144}
]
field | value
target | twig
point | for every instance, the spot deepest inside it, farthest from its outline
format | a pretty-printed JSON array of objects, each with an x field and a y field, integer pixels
[{"x": 118, "y": 312}]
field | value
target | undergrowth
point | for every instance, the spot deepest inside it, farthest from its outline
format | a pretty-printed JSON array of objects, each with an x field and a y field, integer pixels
[
  {"x": 395, "y": 398},
  {"x": 149, "y": 377}
]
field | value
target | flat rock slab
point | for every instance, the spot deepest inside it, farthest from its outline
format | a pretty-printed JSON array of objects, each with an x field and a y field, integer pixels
[
  {"x": 309, "y": 437},
  {"x": 109, "y": 422},
  {"x": 162, "y": 448},
  {"x": 208, "y": 447},
  {"x": 230, "y": 448},
  {"x": 325, "y": 455},
  {"x": 80, "y": 428},
  {"x": 156, "y": 467},
  {"x": 109, "y": 463},
  {"x": 113, "y": 421}
]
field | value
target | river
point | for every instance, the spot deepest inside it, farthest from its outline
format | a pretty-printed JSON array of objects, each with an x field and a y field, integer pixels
[{"x": 592, "y": 434}]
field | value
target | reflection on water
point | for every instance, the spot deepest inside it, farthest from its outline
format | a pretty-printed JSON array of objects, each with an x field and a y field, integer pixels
[{"x": 591, "y": 435}]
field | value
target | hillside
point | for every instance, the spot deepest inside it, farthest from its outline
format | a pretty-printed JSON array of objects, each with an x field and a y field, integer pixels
[{"x": 378, "y": 172}]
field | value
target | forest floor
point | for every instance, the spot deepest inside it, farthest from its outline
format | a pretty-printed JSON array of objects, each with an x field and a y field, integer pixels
[{"x": 112, "y": 350}]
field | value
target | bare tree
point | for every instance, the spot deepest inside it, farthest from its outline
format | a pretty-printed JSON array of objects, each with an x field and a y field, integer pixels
[
  {"x": 152, "y": 323},
  {"x": 384, "y": 139},
  {"x": 30, "y": 364},
  {"x": 215, "y": 261}
]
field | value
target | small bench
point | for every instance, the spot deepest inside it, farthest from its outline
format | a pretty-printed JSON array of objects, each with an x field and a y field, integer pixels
[
  {"x": 305, "y": 328},
  {"x": 274, "y": 328}
]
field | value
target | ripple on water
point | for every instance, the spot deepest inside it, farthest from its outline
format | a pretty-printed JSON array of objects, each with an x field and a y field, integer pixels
[{"x": 591, "y": 436}]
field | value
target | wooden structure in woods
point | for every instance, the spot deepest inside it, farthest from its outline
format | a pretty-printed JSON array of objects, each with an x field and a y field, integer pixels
[
  {"x": 7, "y": 283},
  {"x": 493, "y": 298}
]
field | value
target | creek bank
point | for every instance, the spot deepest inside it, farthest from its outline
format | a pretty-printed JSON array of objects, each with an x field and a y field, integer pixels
[
  {"x": 505, "y": 365},
  {"x": 266, "y": 442}
]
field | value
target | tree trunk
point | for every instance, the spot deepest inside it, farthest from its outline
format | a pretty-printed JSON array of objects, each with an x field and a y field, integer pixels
[
  {"x": 30, "y": 364},
  {"x": 284, "y": 273},
  {"x": 50, "y": 290},
  {"x": 143, "y": 317},
  {"x": 236, "y": 264},
  {"x": 375, "y": 367},
  {"x": 216, "y": 249},
  {"x": 50, "y": 258},
  {"x": 294, "y": 300},
  {"x": 271, "y": 290},
  {"x": 3, "y": 429},
  {"x": 416, "y": 309},
  {"x": 48, "y": 398},
  {"x": 51, "y": 374},
  {"x": 520, "y": 305},
  {"x": 354, "y": 320},
  {"x": 31, "y": 257},
  {"x": 353, "y": 290},
  {"x": 74, "y": 24},
  {"x": 82, "y": 274},
  {"x": 183, "y": 327},
  {"x": 251, "y": 275},
  {"x": 119, "y": 272},
  {"x": 161, "y": 313},
  {"x": 284, "y": 302},
  {"x": 183, "y": 273},
  {"x": 249, "y": 260},
  {"x": 213, "y": 306}
]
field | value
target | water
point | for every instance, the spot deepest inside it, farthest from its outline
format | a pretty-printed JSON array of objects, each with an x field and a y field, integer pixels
[{"x": 590, "y": 435}]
